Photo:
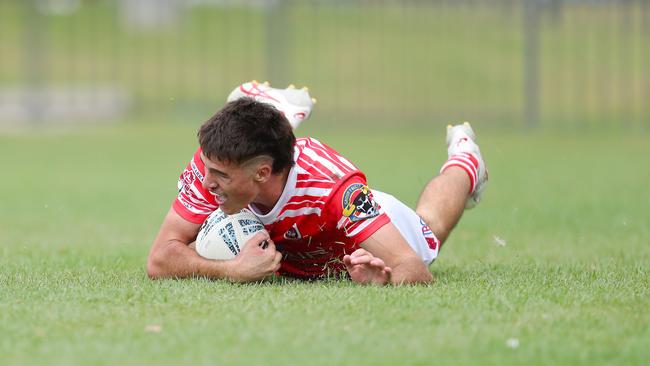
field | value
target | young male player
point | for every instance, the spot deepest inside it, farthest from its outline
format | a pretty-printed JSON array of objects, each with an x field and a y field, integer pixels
[{"x": 320, "y": 214}]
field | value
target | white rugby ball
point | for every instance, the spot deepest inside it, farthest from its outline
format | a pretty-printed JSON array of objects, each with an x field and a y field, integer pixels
[{"x": 223, "y": 236}]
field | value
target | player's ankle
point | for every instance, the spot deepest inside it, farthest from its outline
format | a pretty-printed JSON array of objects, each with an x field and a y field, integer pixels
[{"x": 466, "y": 163}]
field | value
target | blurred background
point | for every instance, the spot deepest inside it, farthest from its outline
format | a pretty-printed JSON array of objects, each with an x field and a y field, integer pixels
[{"x": 582, "y": 65}]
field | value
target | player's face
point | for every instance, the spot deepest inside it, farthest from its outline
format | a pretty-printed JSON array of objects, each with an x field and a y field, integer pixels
[{"x": 233, "y": 186}]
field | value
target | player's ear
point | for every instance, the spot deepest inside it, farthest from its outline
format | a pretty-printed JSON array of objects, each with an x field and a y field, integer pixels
[{"x": 264, "y": 171}]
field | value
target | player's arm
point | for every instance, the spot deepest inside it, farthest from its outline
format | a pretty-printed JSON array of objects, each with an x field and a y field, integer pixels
[
  {"x": 172, "y": 257},
  {"x": 386, "y": 257}
]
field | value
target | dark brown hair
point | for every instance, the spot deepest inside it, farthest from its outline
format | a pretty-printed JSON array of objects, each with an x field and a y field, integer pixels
[{"x": 244, "y": 129}]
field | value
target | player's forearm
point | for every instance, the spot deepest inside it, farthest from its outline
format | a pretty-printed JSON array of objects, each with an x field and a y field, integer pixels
[
  {"x": 411, "y": 271},
  {"x": 177, "y": 260}
]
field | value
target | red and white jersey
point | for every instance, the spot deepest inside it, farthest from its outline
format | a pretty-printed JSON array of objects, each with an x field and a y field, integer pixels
[{"x": 325, "y": 211}]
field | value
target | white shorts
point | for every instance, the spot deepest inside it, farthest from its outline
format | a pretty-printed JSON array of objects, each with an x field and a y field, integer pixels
[{"x": 416, "y": 232}]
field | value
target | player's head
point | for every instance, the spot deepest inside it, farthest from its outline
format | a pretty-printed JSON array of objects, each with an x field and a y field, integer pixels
[
  {"x": 243, "y": 146},
  {"x": 245, "y": 129}
]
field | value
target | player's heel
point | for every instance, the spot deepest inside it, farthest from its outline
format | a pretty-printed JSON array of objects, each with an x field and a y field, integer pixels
[{"x": 295, "y": 104}]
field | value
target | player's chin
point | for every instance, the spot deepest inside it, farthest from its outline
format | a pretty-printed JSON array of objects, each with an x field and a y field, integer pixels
[
  {"x": 231, "y": 209},
  {"x": 228, "y": 211}
]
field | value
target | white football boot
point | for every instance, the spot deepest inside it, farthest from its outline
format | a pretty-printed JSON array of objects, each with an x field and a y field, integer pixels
[
  {"x": 295, "y": 104},
  {"x": 462, "y": 140}
]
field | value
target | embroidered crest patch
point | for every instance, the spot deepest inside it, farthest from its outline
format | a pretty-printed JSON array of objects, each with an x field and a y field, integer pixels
[{"x": 358, "y": 203}]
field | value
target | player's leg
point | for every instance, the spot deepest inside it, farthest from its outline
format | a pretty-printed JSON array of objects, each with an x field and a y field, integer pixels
[
  {"x": 442, "y": 202},
  {"x": 295, "y": 104},
  {"x": 414, "y": 230},
  {"x": 459, "y": 185}
]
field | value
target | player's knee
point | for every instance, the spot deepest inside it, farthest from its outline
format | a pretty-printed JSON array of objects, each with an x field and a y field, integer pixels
[
  {"x": 438, "y": 226},
  {"x": 425, "y": 214}
]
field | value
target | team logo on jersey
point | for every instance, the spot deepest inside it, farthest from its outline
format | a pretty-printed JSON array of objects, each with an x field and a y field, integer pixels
[
  {"x": 358, "y": 203},
  {"x": 185, "y": 181},
  {"x": 188, "y": 177},
  {"x": 293, "y": 233}
]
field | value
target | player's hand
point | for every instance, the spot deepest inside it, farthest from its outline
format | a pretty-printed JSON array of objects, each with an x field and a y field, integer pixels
[
  {"x": 365, "y": 268},
  {"x": 255, "y": 261}
]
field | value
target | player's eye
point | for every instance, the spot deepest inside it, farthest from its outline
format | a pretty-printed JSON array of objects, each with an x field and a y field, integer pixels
[
  {"x": 221, "y": 176},
  {"x": 218, "y": 173}
]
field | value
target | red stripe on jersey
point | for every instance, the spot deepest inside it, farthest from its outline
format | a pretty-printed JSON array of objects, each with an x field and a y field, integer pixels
[
  {"x": 345, "y": 162},
  {"x": 195, "y": 196},
  {"x": 314, "y": 184},
  {"x": 304, "y": 177},
  {"x": 185, "y": 213},
  {"x": 317, "y": 168},
  {"x": 302, "y": 204},
  {"x": 328, "y": 154},
  {"x": 295, "y": 199},
  {"x": 378, "y": 222},
  {"x": 331, "y": 155},
  {"x": 193, "y": 202}
]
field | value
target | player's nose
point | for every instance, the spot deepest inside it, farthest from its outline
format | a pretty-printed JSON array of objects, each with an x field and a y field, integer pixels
[{"x": 209, "y": 185}]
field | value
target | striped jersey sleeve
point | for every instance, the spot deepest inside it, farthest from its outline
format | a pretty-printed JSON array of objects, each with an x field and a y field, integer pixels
[
  {"x": 194, "y": 203},
  {"x": 320, "y": 161},
  {"x": 349, "y": 206}
]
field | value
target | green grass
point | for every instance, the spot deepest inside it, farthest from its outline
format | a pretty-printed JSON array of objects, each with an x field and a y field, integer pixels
[{"x": 79, "y": 211}]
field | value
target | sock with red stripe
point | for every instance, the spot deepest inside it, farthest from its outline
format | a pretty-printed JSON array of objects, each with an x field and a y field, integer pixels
[{"x": 468, "y": 163}]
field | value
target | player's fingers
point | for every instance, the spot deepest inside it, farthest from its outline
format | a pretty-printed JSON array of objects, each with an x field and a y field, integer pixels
[
  {"x": 364, "y": 259},
  {"x": 361, "y": 256},
  {"x": 377, "y": 262},
  {"x": 270, "y": 246},
  {"x": 261, "y": 235},
  {"x": 359, "y": 252},
  {"x": 277, "y": 262},
  {"x": 258, "y": 238},
  {"x": 347, "y": 260},
  {"x": 388, "y": 272}
]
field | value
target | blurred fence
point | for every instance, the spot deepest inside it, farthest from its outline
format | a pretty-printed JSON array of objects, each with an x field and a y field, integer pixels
[{"x": 537, "y": 63}]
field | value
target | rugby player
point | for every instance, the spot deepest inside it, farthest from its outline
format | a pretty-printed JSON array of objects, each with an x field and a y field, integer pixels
[{"x": 321, "y": 216}]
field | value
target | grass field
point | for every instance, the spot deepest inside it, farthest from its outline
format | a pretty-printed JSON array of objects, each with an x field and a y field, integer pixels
[{"x": 570, "y": 286}]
